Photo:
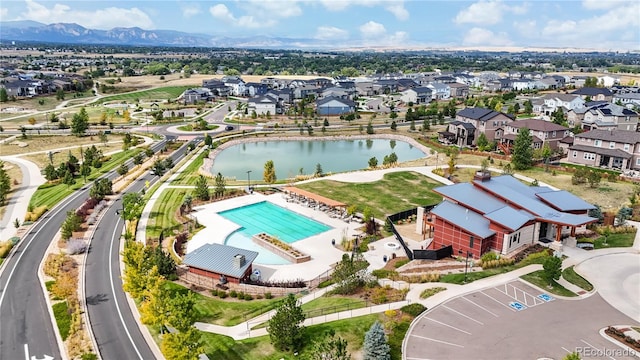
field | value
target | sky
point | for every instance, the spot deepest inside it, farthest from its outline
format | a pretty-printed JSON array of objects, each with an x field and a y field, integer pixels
[{"x": 587, "y": 24}]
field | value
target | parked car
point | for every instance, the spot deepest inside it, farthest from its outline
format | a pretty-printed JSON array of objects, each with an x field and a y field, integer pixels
[{"x": 229, "y": 128}]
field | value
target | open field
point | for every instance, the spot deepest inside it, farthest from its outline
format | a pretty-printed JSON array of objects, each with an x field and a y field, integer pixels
[
  {"x": 50, "y": 142},
  {"x": 162, "y": 215},
  {"x": 395, "y": 192},
  {"x": 42, "y": 159},
  {"x": 156, "y": 94},
  {"x": 194, "y": 81}
]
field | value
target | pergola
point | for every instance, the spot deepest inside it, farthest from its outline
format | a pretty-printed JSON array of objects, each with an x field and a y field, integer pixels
[{"x": 315, "y": 197}]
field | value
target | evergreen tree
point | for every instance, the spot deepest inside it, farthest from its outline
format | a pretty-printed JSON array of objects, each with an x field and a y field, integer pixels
[
  {"x": 50, "y": 172},
  {"x": 552, "y": 268},
  {"x": 80, "y": 122},
  {"x": 285, "y": 326},
  {"x": 70, "y": 224},
  {"x": 522, "y": 154},
  {"x": 123, "y": 169},
  {"x": 319, "y": 171},
  {"x": 4, "y": 97},
  {"x": 162, "y": 260},
  {"x": 221, "y": 185},
  {"x": 394, "y": 126},
  {"x": 208, "y": 140},
  {"x": 138, "y": 159},
  {"x": 201, "y": 191},
  {"x": 373, "y": 162},
  {"x": 370, "y": 130},
  {"x": 269, "y": 174},
  {"x": 375, "y": 345},
  {"x": 5, "y": 183}
]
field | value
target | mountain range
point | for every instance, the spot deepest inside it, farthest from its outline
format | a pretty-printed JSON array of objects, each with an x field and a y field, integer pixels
[{"x": 71, "y": 33}]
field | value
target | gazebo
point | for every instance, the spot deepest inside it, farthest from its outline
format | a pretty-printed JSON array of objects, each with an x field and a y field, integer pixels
[{"x": 315, "y": 197}]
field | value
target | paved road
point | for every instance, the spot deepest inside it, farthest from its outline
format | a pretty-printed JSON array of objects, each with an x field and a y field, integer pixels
[
  {"x": 115, "y": 328},
  {"x": 24, "y": 317}
]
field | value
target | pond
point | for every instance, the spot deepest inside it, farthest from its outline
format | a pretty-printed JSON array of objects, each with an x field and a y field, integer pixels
[{"x": 300, "y": 157}]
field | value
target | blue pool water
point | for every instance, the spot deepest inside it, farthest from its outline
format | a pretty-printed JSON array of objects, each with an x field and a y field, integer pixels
[{"x": 274, "y": 220}]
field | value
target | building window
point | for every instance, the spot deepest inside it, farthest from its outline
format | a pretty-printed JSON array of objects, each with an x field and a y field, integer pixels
[
  {"x": 553, "y": 134},
  {"x": 575, "y": 154},
  {"x": 597, "y": 143},
  {"x": 612, "y": 145},
  {"x": 638, "y": 161},
  {"x": 589, "y": 156},
  {"x": 626, "y": 147}
]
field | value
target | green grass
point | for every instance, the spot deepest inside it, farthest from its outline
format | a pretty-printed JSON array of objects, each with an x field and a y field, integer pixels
[
  {"x": 162, "y": 216},
  {"x": 432, "y": 291},
  {"x": 571, "y": 276},
  {"x": 161, "y": 93},
  {"x": 537, "y": 278},
  {"x": 190, "y": 173},
  {"x": 394, "y": 193},
  {"x": 331, "y": 304},
  {"x": 189, "y": 127},
  {"x": 63, "y": 318},
  {"x": 615, "y": 240},
  {"x": 227, "y": 312},
  {"x": 49, "y": 195}
]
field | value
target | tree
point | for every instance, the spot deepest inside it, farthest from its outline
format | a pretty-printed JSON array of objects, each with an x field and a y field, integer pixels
[
  {"x": 394, "y": 126},
  {"x": 132, "y": 205},
  {"x": 373, "y": 162},
  {"x": 528, "y": 107},
  {"x": 393, "y": 115},
  {"x": 182, "y": 345},
  {"x": 80, "y": 122},
  {"x": 67, "y": 178},
  {"x": 375, "y": 345},
  {"x": 123, "y": 169},
  {"x": 137, "y": 266},
  {"x": 319, "y": 171},
  {"x": 101, "y": 188},
  {"x": 220, "y": 185},
  {"x": 201, "y": 191},
  {"x": 208, "y": 140},
  {"x": 285, "y": 326},
  {"x": 50, "y": 172},
  {"x": 522, "y": 154},
  {"x": 349, "y": 273},
  {"x": 370, "y": 130},
  {"x": 154, "y": 307},
  {"x": 482, "y": 142},
  {"x": 552, "y": 269},
  {"x": 412, "y": 127},
  {"x": 5, "y": 183},
  {"x": 4, "y": 97},
  {"x": 70, "y": 224},
  {"x": 453, "y": 157},
  {"x": 138, "y": 159},
  {"x": 329, "y": 347},
  {"x": 182, "y": 311},
  {"x": 594, "y": 178},
  {"x": 269, "y": 174}
]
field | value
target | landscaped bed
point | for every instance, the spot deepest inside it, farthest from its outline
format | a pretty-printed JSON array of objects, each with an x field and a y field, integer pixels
[{"x": 281, "y": 248}]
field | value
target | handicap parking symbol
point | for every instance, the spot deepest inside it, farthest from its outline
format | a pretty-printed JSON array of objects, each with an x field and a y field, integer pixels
[
  {"x": 517, "y": 306},
  {"x": 545, "y": 297}
]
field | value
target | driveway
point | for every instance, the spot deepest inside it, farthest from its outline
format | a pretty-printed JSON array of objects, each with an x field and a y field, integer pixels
[
  {"x": 620, "y": 284},
  {"x": 512, "y": 321}
]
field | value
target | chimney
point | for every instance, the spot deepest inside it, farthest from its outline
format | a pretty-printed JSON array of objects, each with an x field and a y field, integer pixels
[
  {"x": 482, "y": 175},
  {"x": 238, "y": 261}
]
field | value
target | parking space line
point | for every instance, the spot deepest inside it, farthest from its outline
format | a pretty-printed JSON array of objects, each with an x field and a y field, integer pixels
[
  {"x": 567, "y": 350},
  {"x": 447, "y": 325},
  {"x": 593, "y": 347},
  {"x": 487, "y": 310},
  {"x": 438, "y": 341},
  {"x": 516, "y": 291},
  {"x": 461, "y": 314},
  {"x": 498, "y": 301}
]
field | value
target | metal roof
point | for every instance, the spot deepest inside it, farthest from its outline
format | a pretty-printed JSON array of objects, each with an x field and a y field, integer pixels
[
  {"x": 564, "y": 201},
  {"x": 601, "y": 151},
  {"x": 219, "y": 258},
  {"x": 471, "y": 196},
  {"x": 510, "y": 217},
  {"x": 468, "y": 220}
]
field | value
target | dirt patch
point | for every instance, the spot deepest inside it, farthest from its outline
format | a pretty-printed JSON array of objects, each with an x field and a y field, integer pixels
[{"x": 391, "y": 264}]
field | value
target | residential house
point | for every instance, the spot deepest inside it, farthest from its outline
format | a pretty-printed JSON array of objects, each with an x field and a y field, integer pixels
[
  {"x": 236, "y": 84},
  {"x": 444, "y": 79},
  {"x": 416, "y": 95},
  {"x": 192, "y": 96},
  {"x": 608, "y": 81},
  {"x": 489, "y": 122},
  {"x": 458, "y": 133},
  {"x": 608, "y": 116},
  {"x": 439, "y": 91},
  {"x": 523, "y": 84},
  {"x": 284, "y": 96},
  {"x": 387, "y": 86},
  {"x": 542, "y": 132},
  {"x": 497, "y": 85},
  {"x": 594, "y": 94},
  {"x": 366, "y": 88},
  {"x": 404, "y": 84},
  {"x": 305, "y": 91},
  {"x": 554, "y": 81},
  {"x": 334, "y": 106},
  {"x": 559, "y": 100},
  {"x": 629, "y": 100},
  {"x": 458, "y": 90},
  {"x": 618, "y": 149},
  {"x": 263, "y": 105},
  {"x": 225, "y": 264},
  {"x": 503, "y": 215},
  {"x": 255, "y": 89},
  {"x": 467, "y": 79},
  {"x": 217, "y": 87},
  {"x": 336, "y": 91}
]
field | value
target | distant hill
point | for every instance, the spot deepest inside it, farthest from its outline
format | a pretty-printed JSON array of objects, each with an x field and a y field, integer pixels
[{"x": 71, "y": 33}]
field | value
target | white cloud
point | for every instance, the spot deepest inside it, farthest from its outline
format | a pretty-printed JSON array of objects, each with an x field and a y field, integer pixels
[
  {"x": 105, "y": 18},
  {"x": 4, "y": 12},
  {"x": 372, "y": 29},
  {"x": 190, "y": 10},
  {"x": 259, "y": 13},
  {"x": 274, "y": 8},
  {"x": 221, "y": 12},
  {"x": 396, "y": 7},
  {"x": 484, "y": 37},
  {"x": 526, "y": 28},
  {"x": 602, "y": 4},
  {"x": 488, "y": 12},
  {"x": 331, "y": 33}
]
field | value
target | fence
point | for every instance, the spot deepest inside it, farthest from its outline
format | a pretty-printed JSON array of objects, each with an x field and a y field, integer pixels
[
  {"x": 393, "y": 218},
  {"x": 441, "y": 253}
]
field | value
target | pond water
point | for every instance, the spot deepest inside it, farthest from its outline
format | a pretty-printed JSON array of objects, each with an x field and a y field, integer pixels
[{"x": 291, "y": 158}]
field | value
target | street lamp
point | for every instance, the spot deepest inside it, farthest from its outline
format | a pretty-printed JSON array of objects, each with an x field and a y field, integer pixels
[
  {"x": 249, "y": 180},
  {"x": 466, "y": 262}
]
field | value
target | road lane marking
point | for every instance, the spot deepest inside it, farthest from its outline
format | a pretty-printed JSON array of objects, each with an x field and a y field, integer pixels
[
  {"x": 461, "y": 314},
  {"x": 26, "y": 351},
  {"x": 113, "y": 289},
  {"x": 498, "y": 301},
  {"x": 438, "y": 341},
  {"x": 567, "y": 350},
  {"x": 447, "y": 325},
  {"x": 487, "y": 310}
]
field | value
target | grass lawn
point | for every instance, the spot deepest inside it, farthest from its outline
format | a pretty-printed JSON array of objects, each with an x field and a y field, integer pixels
[
  {"x": 331, "y": 304},
  {"x": 432, "y": 291},
  {"x": 190, "y": 173},
  {"x": 63, "y": 318},
  {"x": 571, "y": 276},
  {"x": 189, "y": 127},
  {"x": 395, "y": 192},
  {"x": 161, "y": 93},
  {"x": 163, "y": 212},
  {"x": 51, "y": 142},
  {"x": 537, "y": 278},
  {"x": 615, "y": 240},
  {"x": 227, "y": 312}
]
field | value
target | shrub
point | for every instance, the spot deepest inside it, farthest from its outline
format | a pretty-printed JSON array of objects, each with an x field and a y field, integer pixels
[
  {"x": 222, "y": 294},
  {"x": 76, "y": 247},
  {"x": 36, "y": 213},
  {"x": 390, "y": 313},
  {"x": 379, "y": 296},
  {"x": 233, "y": 294},
  {"x": 624, "y": 229},
  {"x": 488, "y": 257},
  {"x": 259, "y": 296},
  {"x": 384, "y": 274},
  {"x": 268, "y": 295},
  {"x": 248, "y": 297},
  {"x": 432, "y": 291},
  {"x": 414, "y": 309},
  {"x": 5, "y": 247},
  {"x": 497, "y": 263},
  {"x": 422, "y": 278},
  {"x": 89, "y": 356},
  {"x": 214, "y": 292},
  {"x": 400, "y": 263}
]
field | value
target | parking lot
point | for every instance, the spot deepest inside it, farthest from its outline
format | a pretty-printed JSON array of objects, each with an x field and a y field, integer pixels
[{"x": 514, "y": 321}]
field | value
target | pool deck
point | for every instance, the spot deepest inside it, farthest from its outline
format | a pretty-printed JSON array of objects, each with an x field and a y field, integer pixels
[{"x": 323, "y": 254}]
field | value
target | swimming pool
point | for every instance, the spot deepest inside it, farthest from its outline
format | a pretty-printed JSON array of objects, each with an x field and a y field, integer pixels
[{"x": 274, "y": 220}]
